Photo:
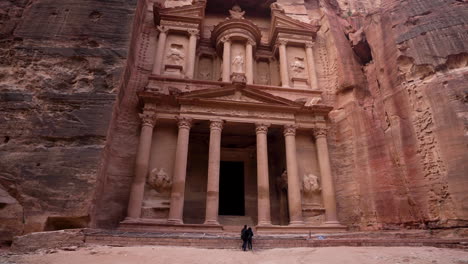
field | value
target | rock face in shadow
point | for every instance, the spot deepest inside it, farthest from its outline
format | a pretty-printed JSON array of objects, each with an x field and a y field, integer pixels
[{"x": 60, "y": 66}]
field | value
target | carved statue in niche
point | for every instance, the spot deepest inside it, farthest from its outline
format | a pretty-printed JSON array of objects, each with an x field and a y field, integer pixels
[
  {"x": 298, "y": 67},
  {"x": 160, "y": 181},
  {"x": 238, "y": 64},
  {"x": 310, "y": 184},
  {"x": 236, "y": 12},
  {"x": 176, "y": 55}
]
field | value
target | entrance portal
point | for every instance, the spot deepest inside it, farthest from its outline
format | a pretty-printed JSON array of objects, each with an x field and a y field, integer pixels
[{"x": 231, "y": 188}]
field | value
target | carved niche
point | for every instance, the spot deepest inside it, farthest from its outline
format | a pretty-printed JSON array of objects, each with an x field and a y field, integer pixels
[
  {"x": 175, "y": 59},
  {"x": 205, "y": 68},
  {"x": 263, "y": 72}
]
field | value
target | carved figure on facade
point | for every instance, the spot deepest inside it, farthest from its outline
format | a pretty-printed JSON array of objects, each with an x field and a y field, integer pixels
[
  {"x": 176, "y": 55},
  {"x": 238, "y": 64},
  {"x": 310, "y": 184},
  {"x": 298, "y": 67},
  {"x": 236, "y": 12},
  {"x": 159, "y": 180}
]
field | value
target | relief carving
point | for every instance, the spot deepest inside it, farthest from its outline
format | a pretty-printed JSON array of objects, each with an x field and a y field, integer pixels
[
  {"x": 310, "y": 184},
  {"x": 159, "y": 180},
  {"x": 298, "y": 67},
  {"x": 236, "y": 12},
  {"x": 176, "y": 55},
  {"x": 238, "y": 64}
]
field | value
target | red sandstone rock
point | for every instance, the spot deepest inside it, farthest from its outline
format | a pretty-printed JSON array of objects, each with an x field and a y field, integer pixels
[{"x": 399, "y": 125}]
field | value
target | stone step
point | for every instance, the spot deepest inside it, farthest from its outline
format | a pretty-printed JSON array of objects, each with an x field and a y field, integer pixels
[{"x": 227, "y": 241}]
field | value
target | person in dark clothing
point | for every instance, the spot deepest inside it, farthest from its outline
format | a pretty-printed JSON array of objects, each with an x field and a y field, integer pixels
[
  {"x": 244, "y": 238},
  {"x": 250, "y": 235}
]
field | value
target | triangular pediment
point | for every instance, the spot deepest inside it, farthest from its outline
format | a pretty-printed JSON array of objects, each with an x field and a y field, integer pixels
[{"x": 240, "y": 96}]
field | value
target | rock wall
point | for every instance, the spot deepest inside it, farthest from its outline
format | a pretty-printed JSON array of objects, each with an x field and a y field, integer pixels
[
  {"x": 399, "y": 136},
  {"x": 60, "y": 66}
]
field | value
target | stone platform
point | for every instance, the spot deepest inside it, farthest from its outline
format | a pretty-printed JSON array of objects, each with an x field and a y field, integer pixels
[
  {"x": 149, "y": 225},
  {"x": 266, "y": 241}
]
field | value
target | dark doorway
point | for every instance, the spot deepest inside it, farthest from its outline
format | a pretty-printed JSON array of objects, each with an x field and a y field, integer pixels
[{"x": 231, "y": 188}]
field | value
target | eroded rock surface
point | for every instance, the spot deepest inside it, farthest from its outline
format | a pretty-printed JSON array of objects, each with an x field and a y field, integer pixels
[{"x": 60, "y": 64}]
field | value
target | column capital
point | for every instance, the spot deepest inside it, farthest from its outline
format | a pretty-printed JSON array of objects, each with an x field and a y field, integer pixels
[
  {"x": 148, "y": 118},
  {"x": 310, "y": 44},
  {"x": 281, "y": 42},
  {"x": 320, "y": 132},
  {"x": 261, "y": 128},
  {"x": 289, "y": 130},
  {"x": 162, "y": 29},
  {"x": 216, "y": 124},
  {"x": 226, "y": 39},
  {"x": 193, "y": 32},
  {"x": 184, "y": 122},
  {"x": 251, "y": 42}
]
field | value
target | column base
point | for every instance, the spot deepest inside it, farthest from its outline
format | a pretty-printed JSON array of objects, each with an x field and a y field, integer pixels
[
  {"x": 296, "y": 223},
  {"x": 332, "y": 224},
  {"x": 211, "y": 222},
  {"x": 175, "y": 221},
  {"x": 131, "y": 219},
  {"x": 264, "y": 223}
]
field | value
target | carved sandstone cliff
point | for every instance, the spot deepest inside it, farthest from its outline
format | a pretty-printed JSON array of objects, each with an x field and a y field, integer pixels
[
  {"x": 399, "y": 142},
  {"x": 60, "y": 66}
]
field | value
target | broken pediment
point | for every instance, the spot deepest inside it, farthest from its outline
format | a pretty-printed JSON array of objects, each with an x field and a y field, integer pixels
[
  {"x": 280, "y": 23},
  {"x": 186, "y": 13}
]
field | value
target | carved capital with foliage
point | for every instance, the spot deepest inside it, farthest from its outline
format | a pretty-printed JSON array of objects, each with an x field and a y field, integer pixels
[
  {"x": 289, "y": 130},
  {"x": 194, "y": 32},
  {"x": 261, "y": 128},
  {"x": 309, "y": 44},
  {"x": 320, "y": 132},
  {"x": 184, "y": 122},
  {"x": 216, "y": 125},
  {"x": 163, "y": 29},
  {"x": 148, "y": 118}
]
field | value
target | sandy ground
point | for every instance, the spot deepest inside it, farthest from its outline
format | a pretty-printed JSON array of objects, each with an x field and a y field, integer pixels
[{"x": 179, "y": 255}]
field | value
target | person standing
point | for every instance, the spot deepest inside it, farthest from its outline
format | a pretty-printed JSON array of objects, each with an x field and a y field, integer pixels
[
  {"x": 244, "y": 238},
  {"x": 250, "y": 235}
]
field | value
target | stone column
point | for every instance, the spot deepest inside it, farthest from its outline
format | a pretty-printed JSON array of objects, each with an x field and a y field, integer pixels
[
  {"x": 249, "y": 61},
  {"x": 141, "y": 166},
  {"x": 227, "y": 60},
  {"x": 212, "y": 189},
  {"x": 328, "y": 188},
  {"x": 192, "y": 52},
  {"x": 180, "y": 172},
  {"x": 283, "y": 63},
  {"x": 311, "y": 66},
  {"x": 294, "y": 188},
  {"x": 158, "y": 60},
  {"x": 263, "y": 185}
]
